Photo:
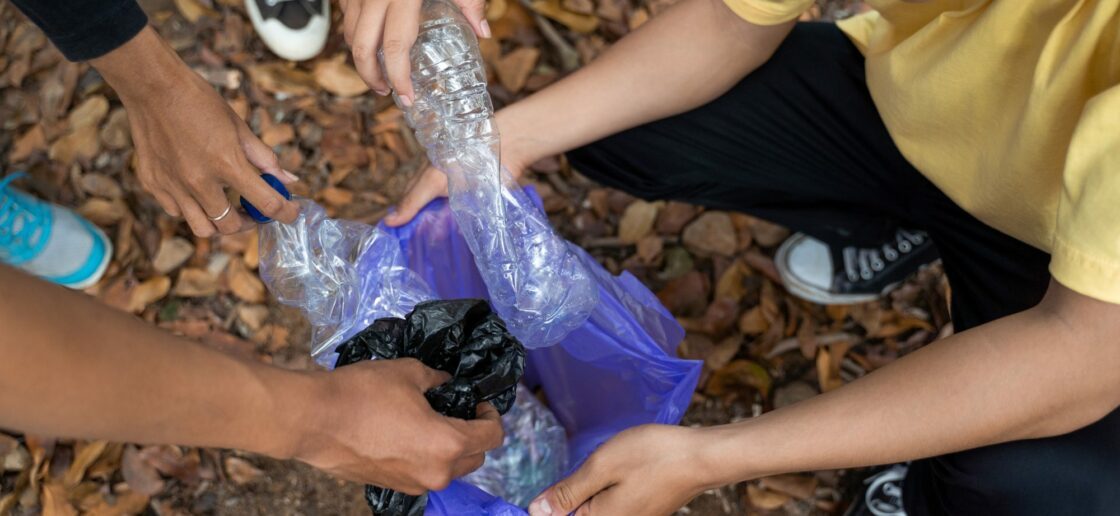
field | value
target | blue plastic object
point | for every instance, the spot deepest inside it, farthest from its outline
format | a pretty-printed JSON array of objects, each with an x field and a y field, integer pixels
[{"x": 256, "y": 214}]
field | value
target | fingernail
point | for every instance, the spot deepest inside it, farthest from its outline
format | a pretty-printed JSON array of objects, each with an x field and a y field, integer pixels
[
  {"x": 406, "y": 100},
  {"x": 541, "y": 508},
  {"x": 485, "y": 25},
  {"x": 381, "y": 92},
  {"x": 289, "y": 175}
]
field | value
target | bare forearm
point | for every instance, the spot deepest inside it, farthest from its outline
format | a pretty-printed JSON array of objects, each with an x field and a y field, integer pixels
[
  {"x": 1025, "y": 376},
  {"x": 675, "y": 62},
  {"x": 73, "y": 367}
]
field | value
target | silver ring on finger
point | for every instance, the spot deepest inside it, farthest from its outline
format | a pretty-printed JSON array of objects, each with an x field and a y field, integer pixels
[{"x": 228, "y": 210}]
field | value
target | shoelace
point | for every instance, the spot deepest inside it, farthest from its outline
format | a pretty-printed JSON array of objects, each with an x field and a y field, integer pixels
[
  {"x": 865, "y": 263},
  {"x": 18, "y": 221}
]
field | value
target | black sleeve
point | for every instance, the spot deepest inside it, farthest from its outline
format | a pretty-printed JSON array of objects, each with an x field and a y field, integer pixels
[{"x": 85, "y": 29}]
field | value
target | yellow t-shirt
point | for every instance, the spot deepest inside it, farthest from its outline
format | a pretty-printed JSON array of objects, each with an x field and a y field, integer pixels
[{"x": 1011, "y": 107}]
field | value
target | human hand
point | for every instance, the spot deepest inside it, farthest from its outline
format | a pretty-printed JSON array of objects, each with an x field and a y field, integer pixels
[
  {"x": 391, "y": 27},
  {"x": 190, "y": 145},
  {"x": 651, "y": 469},
  {"x": 375, "y": 426}
]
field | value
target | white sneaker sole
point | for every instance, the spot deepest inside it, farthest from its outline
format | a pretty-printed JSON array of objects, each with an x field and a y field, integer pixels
[
  {"x": 813, "y": 293},
  {"x": 105, "y": 260}
]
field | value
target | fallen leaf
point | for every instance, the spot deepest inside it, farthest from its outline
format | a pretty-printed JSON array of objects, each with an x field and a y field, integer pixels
[
  {"x": 141, "y": 476},
  {"x": 277, "y": 134},
  {"x": 27, "y": 144},
  {"x": 649, "y": 248},
  {"x": 336, "y": 196},
  {"x": 89, "y": 113},
  {"x": 148, "y": 292},
  {"x": 711, "y": 234},
  {"x": 686, "y": 294},
  {"x": 240, "y": 471},
  {"x": 792, "y": 393},
  {"x": 717, "y": 320},
  {"x": 195, "y": 283},
  {"x": 638, "y": 18},
  {"x": 797, "y": 486},
  {"x": 82, "y": 143},
  {"x": 101, "y": 185},
  {"x": 765, "y": 499},
  {"x": 252, "y": 316},
  {"x": 103, "y": 212},
  {"x": 828, "y": 364},
  {"x": 753, "y": 322},
  {"x": 193, "y": 10},
  {"x": 637, "y": 221},
  {"x": 126, "y": 503},
  {"x": 279, "y": 78},
  {"x": 768, "y": 234},
  {"x": 173, "y": 252},
  {"x": 244, "y": 283},
  {"x": 83, "y": 459},
  {"x": 55, "y": 502},
  {"x": 722, "y": 353},
  {"x": 513, "y": 69},
  {"x": 672, "y": 219},
  {"x": 732, "y": 284},
  {"x": 737, "y": 377},
  {"x": 584, "y": 23},
  {"x": 338, "y": 77},
  {"x": 115, "y": 133}
]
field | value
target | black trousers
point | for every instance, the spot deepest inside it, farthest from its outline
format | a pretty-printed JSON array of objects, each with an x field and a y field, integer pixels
[{"x": 800, "y": 142}]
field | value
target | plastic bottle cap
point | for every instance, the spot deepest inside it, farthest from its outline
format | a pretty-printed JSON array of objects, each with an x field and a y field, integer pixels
[{"x": 256, "y": 214}]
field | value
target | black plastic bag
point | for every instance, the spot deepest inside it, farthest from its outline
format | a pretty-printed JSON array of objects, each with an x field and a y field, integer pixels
[{"x": 463, "y": 337}]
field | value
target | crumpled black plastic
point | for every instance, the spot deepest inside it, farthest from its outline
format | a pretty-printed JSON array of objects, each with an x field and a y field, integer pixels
[{"x": 463, "y": 337}]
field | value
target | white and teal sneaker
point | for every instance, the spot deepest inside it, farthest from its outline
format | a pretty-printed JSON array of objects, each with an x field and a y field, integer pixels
[{"x": 50, "y": 241}]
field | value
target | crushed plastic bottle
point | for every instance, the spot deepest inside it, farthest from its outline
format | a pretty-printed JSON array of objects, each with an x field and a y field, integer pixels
[{"x": 536, "y": 282}]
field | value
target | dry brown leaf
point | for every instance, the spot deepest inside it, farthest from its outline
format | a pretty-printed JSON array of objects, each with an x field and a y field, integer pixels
[
  {"x": 753, "y": 322},
  {"x": 672, "y": 219},
  {"x": 338, "y": 77},
  {"x": 126, "y": 503},
  {"x": 140, "y": 475},
  {"x": 649, "y": 248},
  {"x": 83, "y": 459},
  {"x": 196, "y": 283},
  {"x": 513, "y": 69},
  {"x": 717, "y": 320},
  {"x": 283, "y": 79},
  {"x": 55, "y": 502},
  {"x": 193, "y": 10},
  {"x": 579, "y": 6},
  {"x": 583, "y": 23},
  {"x": 722, "y": 353},
  {"x": 711, "y": 234},
  {"x": 637, "y": 221},
  {"x": 768, "y": 234},
  {"x": 115, "y": 133},
  {"x": 252, "y": 316},
  {"x": 277, "y": 134},
  {"x": 732, "y": 284},
  {"x": 240, "y": 471},
  {"x": 797, "y": 486},
  {"x": 101, "y": 185},
  {"x": 252, "y": 256},
  {"x": 148, "y": 292},
  {"x": 89, "y": 113},
  {"x": 173, "y": 252},
  {"x": 82, "y": 143},
  {"x": 792, "y": 393},
  {"x": 638, "y": 18},
  {"x": 765, "y": 499},
  {"x": 737, "y": 378},
  {"x": 764, "y": 264},
  {"x": 828, "y": 365},
  {"x": 687, "y": 294},
  {"x": 27, "y": 144},
  {"x": 336, "y": 196},
  {"x": 103, "y": 212},
  {"x": 244, "y": 283},
  {"x": 13, "y": 457}
]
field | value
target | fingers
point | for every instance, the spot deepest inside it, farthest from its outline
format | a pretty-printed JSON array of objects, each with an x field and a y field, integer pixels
[
  {"x": 352, "y": 10},
  {"x": 422, "y": 376},
  {"x": 268, "y": 201},
  {"x": 432, "y": 184},
  {"x": 484, "y": 433},
  {"x": 401, "y": 24},
  {"x": 194, "y": 215},
  {"x": 215, "y": 205},
  {"x": 261, "y": 156},
  {"x": 364, "y": 44},
  {"x": 467, "y": 464},
  {"x": 475, "y": 12},
  {"x": 569, "y": 494}
]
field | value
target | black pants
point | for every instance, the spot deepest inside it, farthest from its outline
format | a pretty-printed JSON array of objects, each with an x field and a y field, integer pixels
[{"x": 800, "y": 142}]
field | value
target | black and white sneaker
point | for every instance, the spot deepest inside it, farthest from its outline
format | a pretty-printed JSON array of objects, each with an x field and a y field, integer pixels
[
  {"x": 883, "y": 496},
  {"x": 293, "y": 29},
  {"x": 815, "y": 272}
]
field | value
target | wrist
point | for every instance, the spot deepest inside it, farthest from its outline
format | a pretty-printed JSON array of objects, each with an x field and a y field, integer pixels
[
  {"x": 143, "y": 68},
  {"x": 291, "y": 413},
  {"x": 728, "y": 454}
]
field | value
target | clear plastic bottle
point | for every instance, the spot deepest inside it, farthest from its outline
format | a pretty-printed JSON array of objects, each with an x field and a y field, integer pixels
[{"x": 537, "y": 284}]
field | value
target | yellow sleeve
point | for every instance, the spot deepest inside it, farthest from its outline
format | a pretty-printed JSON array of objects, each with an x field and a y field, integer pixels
[
  {"x": 1086, "y": 251},
  {"x": 768, "y": 12}
]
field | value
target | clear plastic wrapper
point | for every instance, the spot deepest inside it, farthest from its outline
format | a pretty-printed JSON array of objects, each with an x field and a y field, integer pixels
[
  {"x": 537, "y": 284},
  {"x": 532, "y": 457}
]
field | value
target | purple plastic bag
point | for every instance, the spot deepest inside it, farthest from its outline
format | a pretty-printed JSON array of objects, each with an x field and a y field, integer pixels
[{"x": 618, "y": 370}]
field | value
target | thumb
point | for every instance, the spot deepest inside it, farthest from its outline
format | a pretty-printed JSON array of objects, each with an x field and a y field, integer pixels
[
  {"x": 567, "y": 495},
  {"x": 261, "y": 156},
  {"x": 432, "y": 184},
  {"x": 475, "y": 12}
]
